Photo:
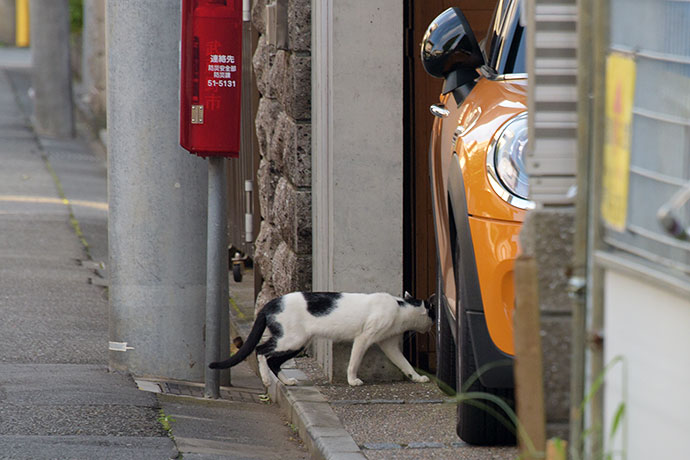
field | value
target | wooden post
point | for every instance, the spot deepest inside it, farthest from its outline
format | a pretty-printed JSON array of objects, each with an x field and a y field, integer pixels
[
  {"x": 556, "y": 450},
  {"x": 529, "y": 386}
]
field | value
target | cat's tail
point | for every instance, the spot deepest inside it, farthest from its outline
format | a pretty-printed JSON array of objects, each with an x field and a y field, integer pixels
[{"x": 248, "y": 346}]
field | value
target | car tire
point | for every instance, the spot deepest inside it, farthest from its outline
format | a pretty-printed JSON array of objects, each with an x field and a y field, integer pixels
[
  {"x": 445, "y": 349},
  {"x": 445, "y": 344}
]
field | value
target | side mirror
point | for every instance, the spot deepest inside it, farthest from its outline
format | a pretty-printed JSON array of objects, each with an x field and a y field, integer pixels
[{"x": 450, "y": 50}]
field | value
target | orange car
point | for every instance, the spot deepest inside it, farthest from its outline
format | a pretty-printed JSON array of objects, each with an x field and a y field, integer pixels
[{"x": 480, "y": 196}]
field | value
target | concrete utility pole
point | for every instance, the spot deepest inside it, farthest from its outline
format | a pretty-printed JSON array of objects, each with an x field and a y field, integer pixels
[
  {"x": 93, "y": 66},
  {"x": 158, "y": 200},
  {"x": 7, "y": 21},
  {"x": 51, "y": 76}
]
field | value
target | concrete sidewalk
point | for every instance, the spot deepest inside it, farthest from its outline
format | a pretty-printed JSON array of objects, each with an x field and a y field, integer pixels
[
  {"x": 376, "y": 421},
  {"x": 57, "y": 396}
]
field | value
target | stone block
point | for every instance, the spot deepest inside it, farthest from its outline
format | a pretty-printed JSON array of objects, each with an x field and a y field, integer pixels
[
  {"x": 262, "y": 61},
  {"x": 267, "y": 177},
  {"x": 290, "y": 271},
  {"x": 279, "y": 76},
  {"x": 266, "y": 294},
  {"x": 547, "y": 235},
  {"x": 266, "y": 117},
  {"x": 296, "y": 96},
  {"x": 556, "y": 341},
  {"x": 299, "y": 25},
  {"x": 292, "y": 216},
  {"x": 281, "y": 137},
  {"x": 258, "y": 14},
  {"x": 267, "y": 241},
  {"x": 297, "y": 154}
]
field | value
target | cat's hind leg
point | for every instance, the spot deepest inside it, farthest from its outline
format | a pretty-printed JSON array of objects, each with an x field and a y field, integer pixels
[
  {"x": 277, "y": 359},
  {"x": 391, "y": 348},
  {"x": 262, "y": 351},
  {"x": 264, "y": 370}
]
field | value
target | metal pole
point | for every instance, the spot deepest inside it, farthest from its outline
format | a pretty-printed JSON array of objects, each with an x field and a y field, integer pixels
[{"x": 216, "y": 270}]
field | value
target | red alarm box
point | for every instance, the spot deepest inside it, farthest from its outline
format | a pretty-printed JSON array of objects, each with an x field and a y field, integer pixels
[{"x": 210, "y": 77}]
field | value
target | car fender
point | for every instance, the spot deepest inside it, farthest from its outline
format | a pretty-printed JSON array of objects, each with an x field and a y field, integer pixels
[{"x": 495, "y": 366}]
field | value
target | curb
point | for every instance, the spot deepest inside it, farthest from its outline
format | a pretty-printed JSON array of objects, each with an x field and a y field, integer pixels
[{"x": 319, "y": 427}]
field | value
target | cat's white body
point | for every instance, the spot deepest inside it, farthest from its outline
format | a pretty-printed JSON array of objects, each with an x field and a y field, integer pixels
[
  {"x": 378, "y": 315},
  {"x": 364, "y": 319}
]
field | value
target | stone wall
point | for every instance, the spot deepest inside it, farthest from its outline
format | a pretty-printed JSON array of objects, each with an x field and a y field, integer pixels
[
  {"x": 283, "y": 128},
  {"x": 547, "y": 235}
]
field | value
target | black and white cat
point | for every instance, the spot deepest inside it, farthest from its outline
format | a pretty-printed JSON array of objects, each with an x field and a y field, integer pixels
[{"x": 294, "y": 319}]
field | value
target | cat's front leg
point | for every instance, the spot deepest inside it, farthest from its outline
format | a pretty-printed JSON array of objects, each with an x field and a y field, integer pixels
[
  {"x": 391, "y": 348},
  {"x": 359, "y": 347}
]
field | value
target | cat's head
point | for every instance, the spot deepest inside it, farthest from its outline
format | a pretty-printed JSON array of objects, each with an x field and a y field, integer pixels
[{"x": 427, "y": 311}]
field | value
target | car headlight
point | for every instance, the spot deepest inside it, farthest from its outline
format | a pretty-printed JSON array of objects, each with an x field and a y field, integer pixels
[{"x": 505, "y": 163}]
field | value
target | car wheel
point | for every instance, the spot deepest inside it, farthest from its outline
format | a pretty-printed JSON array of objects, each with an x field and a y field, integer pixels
[{"x": 445, "y": 343}]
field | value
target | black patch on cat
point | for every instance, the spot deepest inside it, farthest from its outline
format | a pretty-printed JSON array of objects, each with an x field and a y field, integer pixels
[
  {"x": 271, "y": 309},
  {"x": 277, "y": 359},
  {"x": 267, "y": 347},
  {"x": 274, "y": 307},
  {"x": 415, "y": 302},
  {"x": 410, "y": 301},
  {"x": 321, "y": 303}
]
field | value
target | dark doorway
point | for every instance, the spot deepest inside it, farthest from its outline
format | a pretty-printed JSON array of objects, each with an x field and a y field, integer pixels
[{"x": 420, "y": 92}]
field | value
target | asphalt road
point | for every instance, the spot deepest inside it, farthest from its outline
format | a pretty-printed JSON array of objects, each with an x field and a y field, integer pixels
[{"x": 58, "y": 398}]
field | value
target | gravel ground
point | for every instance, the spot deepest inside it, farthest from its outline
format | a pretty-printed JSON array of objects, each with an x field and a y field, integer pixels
[{"x": 399, "y": 420}]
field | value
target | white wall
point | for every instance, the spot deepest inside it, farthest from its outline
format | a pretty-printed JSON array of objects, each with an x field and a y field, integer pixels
[
  {"x": 649, "y": 325},
  {"x": 357, "y": 145}
]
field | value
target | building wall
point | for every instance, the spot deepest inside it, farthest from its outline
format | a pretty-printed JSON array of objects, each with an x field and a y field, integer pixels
[
  {"x": 7, "y": 21},
  {"x": 647, "y": 325},
  {"x": 283, "y": 128}
]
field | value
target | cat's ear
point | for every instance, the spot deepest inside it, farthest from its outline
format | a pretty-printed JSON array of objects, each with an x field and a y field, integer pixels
[{"x": 407, "y": 296}]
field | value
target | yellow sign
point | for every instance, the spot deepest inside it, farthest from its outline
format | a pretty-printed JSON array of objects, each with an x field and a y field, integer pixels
[{"x": 620, "y": 95}]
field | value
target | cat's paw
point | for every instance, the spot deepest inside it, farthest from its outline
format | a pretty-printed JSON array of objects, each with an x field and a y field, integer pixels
[
  {"x": 289, "y": 381},
  {"x": 420, "y": 379},
  {"x": 355, "y": 382}
]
